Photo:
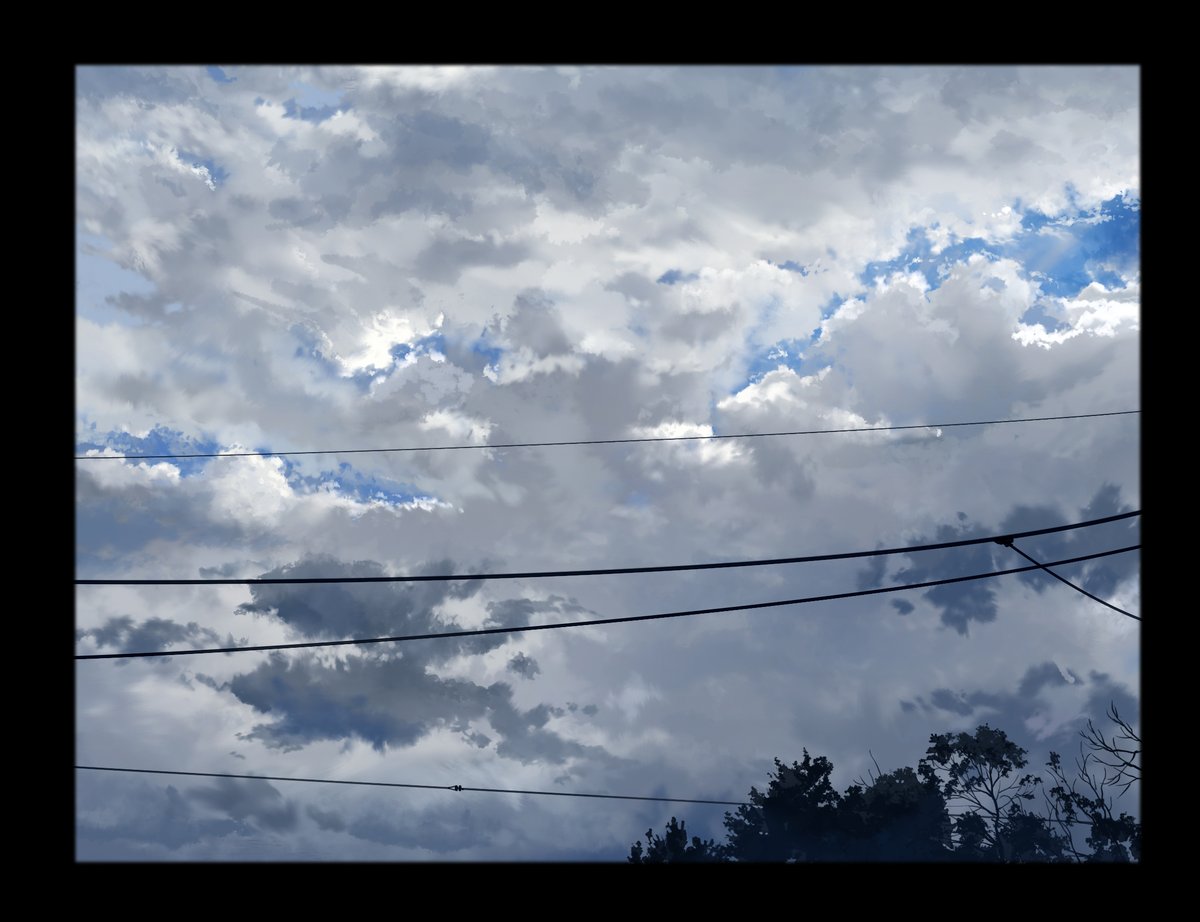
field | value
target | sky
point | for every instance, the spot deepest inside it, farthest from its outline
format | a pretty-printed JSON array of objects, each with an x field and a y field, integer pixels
[{"x": 320, "y": 258}]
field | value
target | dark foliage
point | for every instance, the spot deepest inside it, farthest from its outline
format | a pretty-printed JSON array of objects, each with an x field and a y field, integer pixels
[{"x": 969, "y": 799}]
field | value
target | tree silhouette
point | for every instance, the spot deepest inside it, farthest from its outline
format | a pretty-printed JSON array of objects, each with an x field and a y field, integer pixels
[
  {"x": 674, "y": 847},
  {"x": 978, "y": 776},
  {"x": 969, "y": 799},
  {"x": 1103, "y": 765},
  {"x": 897, "y": 817},
  {"x": 796, "y": 819}
]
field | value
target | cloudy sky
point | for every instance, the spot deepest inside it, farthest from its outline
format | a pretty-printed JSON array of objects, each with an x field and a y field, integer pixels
[{"x": 287, "y": 259}]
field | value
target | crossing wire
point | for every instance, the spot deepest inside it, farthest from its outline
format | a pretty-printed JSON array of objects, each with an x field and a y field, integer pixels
[
  {"x": 1008, "y": 542},
  {"x": 611, "y": 571},
  {"x": 398, "y": 784},
  {"x": 657, "y": 438},
  {"x": 477, "y": 632}
]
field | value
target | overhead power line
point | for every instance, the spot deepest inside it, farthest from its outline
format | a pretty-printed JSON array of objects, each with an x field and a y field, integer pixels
[
  {"x": 1008, "y": 542},
  {"x": 430, "y": 787},
  {"x": 658, "y": 438},
  {"x": 611, "y": 571},
  {"x": 423, "y": 786},
  {"x": 477, "y": 632}
]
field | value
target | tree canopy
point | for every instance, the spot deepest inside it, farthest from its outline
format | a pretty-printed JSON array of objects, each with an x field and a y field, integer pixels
[{"x": 970, "y": 798}]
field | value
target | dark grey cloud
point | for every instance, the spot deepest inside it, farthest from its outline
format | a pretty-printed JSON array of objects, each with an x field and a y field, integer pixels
[
  {"x": 1019, "y": 713},
  {"x": 119, "y": 518},
  {"x": 1104, "y": 691},
  {"x": 536, "y": 325},
  {"x": 959, "y": 603},
  {"x": 871, "y": 574},
  {"x": 1099, "y": 577},
  {"x": 231, "y": 569},
  {"x": 210, "y": 682},
  {"x": 963, "y": 603},
  {"x": 382, "y": 701},
  {"x": 779, "y": 467},
  {"x": 1007, "y": 146},
  {"x": 524, "y": 666},
  {"x": 341, "y": 183},
  {"x": 144, "y": 306},
  {"x": 257, "y": 802},
  {"x": 337, "y": 610},
  {"x": 140, "y": 818},
  {"x": 524, "y": 737},
  {"x": 123, "y": 633},
  {"x": 328, "y": 820},
  {"x": 636, "y": 285},
  {"x": 512, "y": 612},
  {"x": 128, "y": 388},
  {"x": 390, "y": 702},
  {"x": 429, "y": 136},
  {"x": 441, "y": 830},
  {"x": 151, "y": 814},
  {"x": 694, "y": 327},
  {"x": 947, "y": 700},
  {"x": 151, "y": 86},
  {"x": 608, "y": 396},
  {"x": 446, "y": 258},
  {"x": 1038, "y": 677},
  {"x": 580, "y": 405},
  {"x": 391, "y": 698},
  {"x": 424, "y": 199},
  {"x": 294, "y": 211}
]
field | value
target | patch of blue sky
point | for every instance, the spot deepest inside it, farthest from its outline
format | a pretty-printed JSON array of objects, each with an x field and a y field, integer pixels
[
  {"x": 160, "y": 440},
  {"x": 309, "y": 95},
  {"x": 830, "y": 308},
  {"x": 1068, "y": 253},
  {"x": 402, "y": 354},
  {"x": 98, "y": 279},
  {"x": 1038, "y": 316},
  {"x": 917, "y": 256},
  {"x": 792, "y": 266},
  {"x": 217, "y": 173},
  {"x": 433, "y": 344},
  {"x": 309, "y": 347},
  {"x": 218, "y": 75},
  {"x": 364, "y": 378},
  {"x": 1064, "y": 254},
  {"x": 487, "y": 350},
  {"x": 360, "y": 487},
  {"x": 1108, "y": 278},
  {"x": 313, "y": 104},
  {"x": 787, "y": 352},
  {"x": 827, "y": 310},
  {"x": 676, "y": 276},
  {"x": 1032, "y": 219},
  {"x": 491, "y": 354}
]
